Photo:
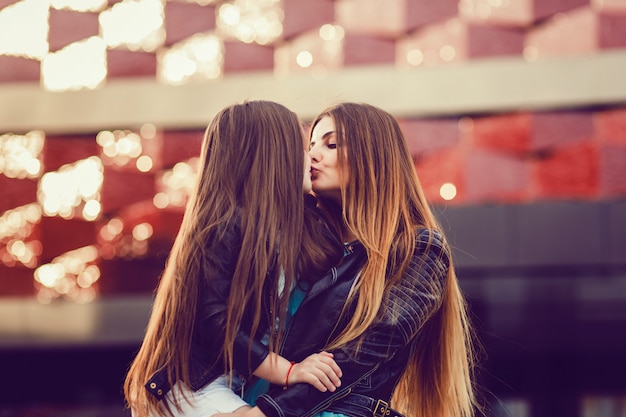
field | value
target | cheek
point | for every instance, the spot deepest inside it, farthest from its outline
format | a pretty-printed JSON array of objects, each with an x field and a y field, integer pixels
[
  {"x": 334, "y": 161},
  {"x": 342, "y": 172},
  {"x": 339, "y": 166}
]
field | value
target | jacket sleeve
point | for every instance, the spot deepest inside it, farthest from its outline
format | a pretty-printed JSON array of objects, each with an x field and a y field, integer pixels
[
  {"x": 219, "y": 268},
  {"x": 411, "y": 302}
]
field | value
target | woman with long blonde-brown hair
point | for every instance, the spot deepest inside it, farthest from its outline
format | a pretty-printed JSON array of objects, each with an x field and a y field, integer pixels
[
  {"x": 392, "y": 313},
  {"x": 245, "y": 238}
]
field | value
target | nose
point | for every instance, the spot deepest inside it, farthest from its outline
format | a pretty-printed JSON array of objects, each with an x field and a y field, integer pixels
[{"x": 314, "y": 154}]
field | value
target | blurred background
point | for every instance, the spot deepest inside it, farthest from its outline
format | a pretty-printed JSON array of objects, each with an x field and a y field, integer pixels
[{"x": 515, "y": 112}]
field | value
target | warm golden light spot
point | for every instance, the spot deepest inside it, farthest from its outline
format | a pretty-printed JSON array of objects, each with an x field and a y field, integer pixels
[
  {"x": 198, "y": 58},
  {"x": 77, "y": 66},
  {"x": 447, "y": 191},
  {"x": 90, "y": 275},
  {"x": 70, "y": 187},
  {"x": 79, "y": 5},
  {"x": 144, "y": 163},
  {"x": 120, "y": 25},
  {"x": 16, "y": 230},
  {"x": 24, "y": 29},
  {"x": 330, "y": 32},
  {"x": 229, "y": 14},
  {"x": 415, "y": 57},
  {"x": 49, "y": 274},
  {"x": 304, "y": 59},
  {"x": 91, "y": 210},
  {"x": 257, "y": 21},
  {"x": 20, "y": 155},
  {"x": 142, "y": 231},
  {"x": 18, "y": 222},
  {"x": 161, "y": 200},
  {"x": 119, "y": 147},
  {"x": 447, "y": 53},
  {"x": 115, "y": 226},
  {"x": 70, "y": 275},
  {"x": 148, "y": 131},
  {"x": 175, "y": 185}
]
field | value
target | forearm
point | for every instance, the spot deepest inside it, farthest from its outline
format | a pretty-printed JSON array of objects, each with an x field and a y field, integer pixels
[
  {"x": 254, "y": 412},
  {"x": 274, "y": 369}
]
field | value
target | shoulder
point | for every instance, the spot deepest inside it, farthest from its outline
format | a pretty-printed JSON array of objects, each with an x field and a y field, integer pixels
[
  {"x": 431, "y": 244},
  {"x": 225, "y": 237},
  {"x": 231, "y": 226},
  {"x": 432, "y": 236}
]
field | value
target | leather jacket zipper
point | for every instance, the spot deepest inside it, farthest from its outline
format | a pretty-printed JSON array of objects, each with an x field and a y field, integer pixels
[
  {"x": 306, "y": 299},
  {"x": 322, "y": 406}
]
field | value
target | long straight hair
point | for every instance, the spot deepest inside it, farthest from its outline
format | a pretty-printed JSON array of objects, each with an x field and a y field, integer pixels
[
  {"x": 251, "y": 173},
  {"x": 382, "y": 205}
]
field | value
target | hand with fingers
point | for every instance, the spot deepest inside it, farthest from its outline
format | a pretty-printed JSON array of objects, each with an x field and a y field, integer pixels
[{"x": 319, "y": 370}]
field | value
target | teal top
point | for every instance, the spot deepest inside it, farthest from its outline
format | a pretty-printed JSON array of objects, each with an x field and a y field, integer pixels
[{"x": 261, "y": 386}]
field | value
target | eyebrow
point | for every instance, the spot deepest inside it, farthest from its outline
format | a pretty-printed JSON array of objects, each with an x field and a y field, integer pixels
[{"x": 325, "y": 135}]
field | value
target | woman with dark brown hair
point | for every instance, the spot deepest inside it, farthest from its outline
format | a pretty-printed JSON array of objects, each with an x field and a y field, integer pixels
[
  {"x": 392, "y": 312},
  {"x": 246, "y": 236}
]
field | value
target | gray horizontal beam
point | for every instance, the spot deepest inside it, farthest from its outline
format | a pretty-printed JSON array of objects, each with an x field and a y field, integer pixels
[
  {"x": 488, "y": 85},
  {"x": 505, "y": 239},
  {"x": 547, "y": 234},
  {"x": 105, "y": 321}
]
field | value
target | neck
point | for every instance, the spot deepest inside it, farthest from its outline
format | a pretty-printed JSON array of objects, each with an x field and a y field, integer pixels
[{"x": 333, "y": 207}]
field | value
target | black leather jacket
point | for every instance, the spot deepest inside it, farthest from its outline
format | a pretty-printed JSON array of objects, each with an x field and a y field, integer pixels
[
  {"x": 374, "y": 369},
  {"x": 206, "y": 359}
]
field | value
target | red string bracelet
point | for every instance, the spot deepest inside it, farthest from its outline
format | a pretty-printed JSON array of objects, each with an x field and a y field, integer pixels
[{"x": 287, "y": 377}]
